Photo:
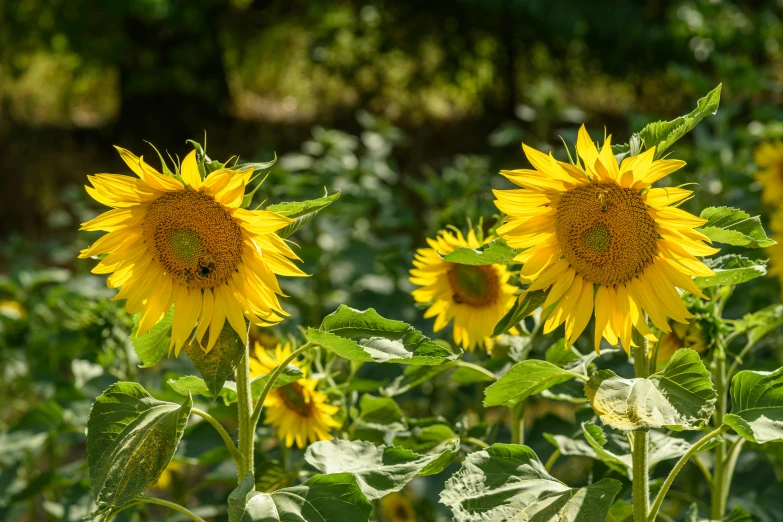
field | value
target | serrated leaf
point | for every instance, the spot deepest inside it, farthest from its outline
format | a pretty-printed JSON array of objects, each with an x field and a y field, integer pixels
[
  {"x": 325, "y": 498},
  {"x": 301, "y": 212},
  {"x": 526, "y": 304},
  {"x": 732, "y": 226},
  {"x": 379, "y": 470},
  {"x": 496, "y": 252},
  {"x": 365, "y": 336},
  {"x": 757, "y": 406},
  {"x": 218, "y": 363},
  {"x": 681, "y": 396},
  {"x": 663, "y": 134},
  {"x": 523, "y": 380},
  {"x": 131, "y": 437},
  {"x": 732, "y": 269},
  {"x": 507, "y": 482},
  {"x": 153, "y": 345}
]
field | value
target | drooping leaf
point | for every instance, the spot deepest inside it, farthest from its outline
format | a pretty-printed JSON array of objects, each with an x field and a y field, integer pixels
[
  {"x": 218, "y": 363},
  {"x": 325, "y": 498},
  {"x": 681, "y": 396},
  {"x": 496, "y": 252},
  {"x": 757, "y": 406},
  {"x": 663, "y": 134},
  {"x": 131, "y": 438},
  {"x": 507, "y": 482},
  {"x": 301, "y": 212},
  {"x": 732, "y": 226},
  {"x": 526, "y": 304},
  {"x": 732, "y": 269},
  {"x": 365, "y": 336},
  {"x": 523, "y": 380},
  {"x": 153, "y": 345},
  {"x": 379, "y": 470}
]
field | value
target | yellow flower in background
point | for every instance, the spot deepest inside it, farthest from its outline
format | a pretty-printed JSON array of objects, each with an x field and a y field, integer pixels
[
  {"x": 599, "y": 238},
  {"x": 298, "y": 411},
  {"x": 12, "y": 309},
  {"x": 167, "y": 477},
  {"x": 184, "y": 241},
  {"x": 769, "y": 158},
  {"x": 474, "y": 297},
  {"x": 397, "y": 507},
  {"x": 775, "y": 252},
  {"x": 682, "y": 336}
]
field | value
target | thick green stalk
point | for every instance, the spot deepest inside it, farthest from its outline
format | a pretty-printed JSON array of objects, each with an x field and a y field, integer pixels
[
  {"x": 518, "y": 423},
  {"x": 641, "y": 478},
  {"x": 247, "y": 429},
  {"x": 719, "y": 489}
]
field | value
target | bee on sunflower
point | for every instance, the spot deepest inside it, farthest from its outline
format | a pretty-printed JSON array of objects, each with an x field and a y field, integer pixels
[
  {"x": 298, "y": 411},
  {"x": 475, "y": 298},
  {"x": 184, "y": 240},
  {"x": 598, "y": 236}
]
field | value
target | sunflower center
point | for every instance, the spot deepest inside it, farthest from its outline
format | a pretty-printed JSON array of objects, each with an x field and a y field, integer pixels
[
  {"x": 194, "y": 238},
  {"x": 473, "y": 285},
  {"x": 606, "y": 233},
  {"x": 293, "y": 397}
]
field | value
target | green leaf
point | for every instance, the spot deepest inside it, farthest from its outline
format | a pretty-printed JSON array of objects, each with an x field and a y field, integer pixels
[
  {"x": 663, "y": 134},
  {"x": 153, "y": 345},
  {"x": 759, "y": 323},
  {"x": 379, "y": 470},
  {"x": 258, "y": 165},
  {"x": 523, "y": 380},
  {"x": 380, "y": 413},
  {"x": 526, "y": 304},
  {"x": 365, "y": 336},
  {"x": 301, "y": 212},
  {"x": 735, "y": 227},
  {"x": 470, "y": 374},
  {"x": 732, "y": 269},
  {"x": 193, "y": 385},
  {"x": 323, "y": 498},
  {"x": 218, "y": 363},
  {"x": 507, "y": 482},
  {"x": 131, "y": 438},
  {"x": 757, "y": 406},
  {"x": 436, "y": 439},
  {"x": 681, "y": 396},
  {"x": 412, "y": 376},
  {"x": 497, "y": 252}
]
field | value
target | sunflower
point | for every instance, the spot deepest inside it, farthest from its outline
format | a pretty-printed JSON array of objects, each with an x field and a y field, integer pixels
[
  {"x": 397, "y": 508},
  {"x": 775, "y": 252},
  {"x": 689, "y": 335},
  {"x": 185, "y": 241},
  {"x": 475, "y": 297},
  {"x": 598, "y": 236},
  {"x": 769, "y": 158},
  {"x": 298, "y": 411}
]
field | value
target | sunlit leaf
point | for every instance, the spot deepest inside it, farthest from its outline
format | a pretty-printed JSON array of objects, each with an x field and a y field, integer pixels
[
  {"x": 735, "y": 227},
  {"x": 301, "y": 212},
  {"x": 523, "y": 380},
  {"x": 732, "y": 269},
  {"x": 497, "y": 252},
  {"x": 526, "y": 304},
  {"x": 153, "y": 345},
  {"x": 757, "y": 406},
  {"x": 380, "y": 413}
]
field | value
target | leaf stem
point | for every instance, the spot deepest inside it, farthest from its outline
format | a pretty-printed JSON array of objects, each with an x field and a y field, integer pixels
[
  {"x": 222, "y": 432},
  {"x": 731, "y": 462},
  {"x": 247, "y": 429},
  {"x": 518, "y": 423},
  {"x": 550, "y": 462},
  {"x": 148, "y": 500},
  {"x": 272, "y": 378},
  {"x": 738, "y": 360},
  {"x": 476, "y": 367},
  {"x": 677, "y": 467},
  {"x": 641, "y": 477},
  {"x": 476, "y": 442}
]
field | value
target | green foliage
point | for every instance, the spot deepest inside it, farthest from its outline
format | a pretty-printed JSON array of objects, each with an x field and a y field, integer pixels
[
  {"x": 301, "y": 212},
  {"x": 218, "y": 363},
  {"x": 525, "y": 305},
  {"x": 757, "y": 406},
  {"x": 507, "y": 482},
  {"x": 735, "y": 227},
  {"x": 365, "y": 336},
  {"x": 681, "y": 396},
  {"x": 381, "y": 413},
  {"x": 312, "y": 500},
  {"x": 190, "y": 384},
  {"x": 131, "y": 438},
  {"x": 152, "y": 346},
  {"x": 732, "y": 269},
  {"x": 525, "y": 379},
  {"x": 496, "y": 252}
]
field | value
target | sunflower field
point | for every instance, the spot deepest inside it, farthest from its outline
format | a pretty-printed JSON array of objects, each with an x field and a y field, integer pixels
[{"x": 361, "y": 260}]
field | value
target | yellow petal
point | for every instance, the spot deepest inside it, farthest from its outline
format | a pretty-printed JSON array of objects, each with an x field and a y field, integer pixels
[{"x": 190, "y": 173}]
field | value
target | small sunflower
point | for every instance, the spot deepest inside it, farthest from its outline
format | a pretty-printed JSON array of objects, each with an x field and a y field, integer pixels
[
  {"x": 599, "y": 237},
  {"x": 769, "y": 158},
  {"x": 474, "y": 297},
  {"x": 397, "y": 508},
  {"x": 689, "y": 335},
  {"x": 298, "y": 411},
  {"x": 775, "y": 252},
  {"x": 185, "y": 241}
]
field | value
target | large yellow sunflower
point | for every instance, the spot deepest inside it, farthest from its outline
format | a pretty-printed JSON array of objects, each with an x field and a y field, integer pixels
[
  {"x": 769, "y": 158},
  {"x": 185, "y": 241},
  {"x": 601, "y": 238},
  {"x": 474, "y": 297},
  {"x": 298, "y": 411}
]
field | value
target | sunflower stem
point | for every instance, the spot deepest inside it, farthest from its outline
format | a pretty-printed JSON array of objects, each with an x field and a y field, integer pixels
[
  {"x": 271, "y": 382},
  {"x": 719, "y": 487},
  {"x": 641, "y": 478},
  {"x": 148, "y": 500},
  {"x": 247, "y": 429},
  {"x": 518, "y": 423}
]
